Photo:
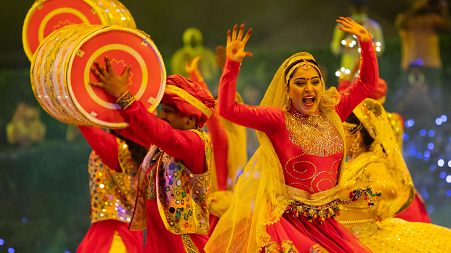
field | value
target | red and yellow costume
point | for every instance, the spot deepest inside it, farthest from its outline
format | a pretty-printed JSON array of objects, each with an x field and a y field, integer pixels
[
  {"x": 113, "y": 181},
  {"x": 383, "y": 169},
  {"x": 229, "y": 148},
  {"x": 416, "y": 211},
  {"x": 175, "y": 175},
  {"x": 288, "y": 193}
]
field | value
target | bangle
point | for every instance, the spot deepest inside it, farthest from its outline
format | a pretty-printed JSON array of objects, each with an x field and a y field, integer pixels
[{"x": 125, "y": 100}]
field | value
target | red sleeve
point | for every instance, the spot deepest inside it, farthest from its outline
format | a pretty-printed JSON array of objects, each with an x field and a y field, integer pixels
[
  {"x": 220, "y": 145},
  {"x": 261, "y": 118},
  {"x": 364, "y": 85},
  {"x": 148, "y": 129},
  {"x": 104, "y": 144}
]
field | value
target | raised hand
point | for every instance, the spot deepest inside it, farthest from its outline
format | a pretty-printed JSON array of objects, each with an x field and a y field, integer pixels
[
  {"x": 352, "y": 27},
  {"x": 113, "y": 83},
  {"x": 236, "y": 43},
  {"x": 192, "y": 66}
]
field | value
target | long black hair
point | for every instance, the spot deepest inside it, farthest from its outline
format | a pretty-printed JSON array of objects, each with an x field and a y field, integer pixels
[{"x": 137, "y": 151}]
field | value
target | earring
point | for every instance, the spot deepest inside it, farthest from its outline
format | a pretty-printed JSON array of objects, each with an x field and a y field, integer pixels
[
  {"x": 288, "y": 101},
  {"x": 355, "y": 147}
]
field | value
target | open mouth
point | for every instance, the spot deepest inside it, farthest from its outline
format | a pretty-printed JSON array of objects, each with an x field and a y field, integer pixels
[{"x": 309, "y": 100}]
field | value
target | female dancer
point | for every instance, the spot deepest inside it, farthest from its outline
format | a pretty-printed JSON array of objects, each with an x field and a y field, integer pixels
[
  {"x": 375, "y": 161},
  {"x": 288, "y": 195}
]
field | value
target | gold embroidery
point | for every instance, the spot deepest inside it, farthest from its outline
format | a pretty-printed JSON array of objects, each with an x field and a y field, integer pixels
[
  {"x": 286, "y": 246},
  {"x": 153, "y": 164},
  {"x": 190, "y": 247},
  {"x": 315, "y": 134},
  {"x": 316, "y": 248},
  {"x": 306, "y": 178}
]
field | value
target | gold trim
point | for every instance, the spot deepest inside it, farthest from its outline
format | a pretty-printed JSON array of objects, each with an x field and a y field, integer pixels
[
  {"x": 172, "y": 89},
  {"x": 188, "y": 244}
]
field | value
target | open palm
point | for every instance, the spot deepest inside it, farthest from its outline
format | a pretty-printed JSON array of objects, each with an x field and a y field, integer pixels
[{"x": 236, "y": 43}]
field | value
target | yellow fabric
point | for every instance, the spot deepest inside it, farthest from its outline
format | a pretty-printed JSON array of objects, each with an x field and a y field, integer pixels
[
  {"x": 117, "y": 246},
  {"x": 386, "y": 148},
  {"x": 219, "y": 202},
  {"x": 383, "y": 169},
  {"x": 397, "y": 125},
  {"x": 236, "y": 151},
  {"x": 188, "y": 98},
  {"x": 398, "y": 235},
  {"x": 260, "y": 196}
]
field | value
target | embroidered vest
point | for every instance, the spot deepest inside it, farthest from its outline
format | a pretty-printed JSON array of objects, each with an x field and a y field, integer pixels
[
  {"x": 112, "y": 193},
  {"x": 180, "y": 194}
]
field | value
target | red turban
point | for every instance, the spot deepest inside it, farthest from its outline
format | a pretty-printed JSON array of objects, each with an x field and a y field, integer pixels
[{"x": 195, "y": 90}]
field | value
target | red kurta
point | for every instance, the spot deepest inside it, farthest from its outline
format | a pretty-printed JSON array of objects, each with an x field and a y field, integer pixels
[
  {"x": 146, "y": 129},
  {"x": 309, "y": 171}
]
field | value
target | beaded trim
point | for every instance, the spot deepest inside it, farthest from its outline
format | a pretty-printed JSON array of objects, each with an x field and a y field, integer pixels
[{"x": 331, "y": 209}]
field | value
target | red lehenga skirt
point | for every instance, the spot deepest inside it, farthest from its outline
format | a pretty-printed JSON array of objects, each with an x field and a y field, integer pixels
[
  {"x": 416, "y": 211},
  {"x": 304, "y": 234},
  {"x": 100, "y": 235}
]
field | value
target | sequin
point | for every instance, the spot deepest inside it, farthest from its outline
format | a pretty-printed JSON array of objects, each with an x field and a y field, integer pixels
[{"x": 112, "y": 193}]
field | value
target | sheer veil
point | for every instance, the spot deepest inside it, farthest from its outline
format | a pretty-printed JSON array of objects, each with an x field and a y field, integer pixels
[{"x": 261, "y": 196}]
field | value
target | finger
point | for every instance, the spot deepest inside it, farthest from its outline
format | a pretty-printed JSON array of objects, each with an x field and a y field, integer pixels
[
  {"x": 342, "y": 20},
  {"x": 346, "y": 29},
  {"x": 97, "y": 84},
  {"x": 97, "y": 74},
  {"x": 229, "y": 38},
  {"x": 348, "y": 21},
  {"x": 108, "y": 65},
  {"x": 248, "y": 35},
  {"x": 100, "y": 69},
  {"x": 249, "y": 54},
  {"x": 234, "y": 32},
  {"x": 241, "y": 32}
]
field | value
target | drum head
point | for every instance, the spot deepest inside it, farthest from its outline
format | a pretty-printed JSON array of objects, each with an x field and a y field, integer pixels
[
  {"x": 123, "y": 47},
  {"x": 44, "y": 17}
]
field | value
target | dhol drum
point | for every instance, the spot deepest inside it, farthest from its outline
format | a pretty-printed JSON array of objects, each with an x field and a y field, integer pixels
[
  {"x": 61, "y": 71},
  {"x": 46, "y": 16}
]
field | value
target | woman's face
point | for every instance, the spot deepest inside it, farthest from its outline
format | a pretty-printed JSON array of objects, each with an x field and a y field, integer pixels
[{"x": 305, "y": 90}]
